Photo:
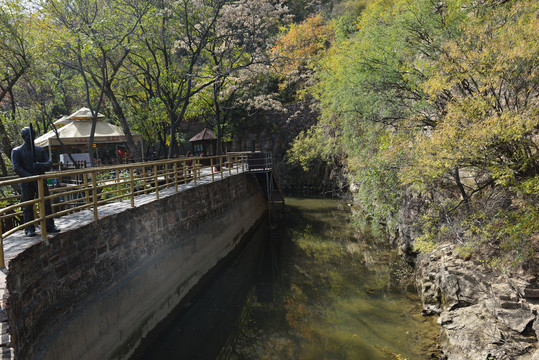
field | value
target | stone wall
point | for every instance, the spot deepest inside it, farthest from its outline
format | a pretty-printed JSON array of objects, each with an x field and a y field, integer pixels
[{"x": 95, "y": 291}]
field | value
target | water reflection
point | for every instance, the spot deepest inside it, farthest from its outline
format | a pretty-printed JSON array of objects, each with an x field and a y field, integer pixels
[
  {"x": 200, "y": 326},
  {"x": 338, "y": 296}
]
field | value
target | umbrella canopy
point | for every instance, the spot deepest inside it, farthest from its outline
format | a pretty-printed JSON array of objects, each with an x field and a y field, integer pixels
[{"x": 78, "y": 132}]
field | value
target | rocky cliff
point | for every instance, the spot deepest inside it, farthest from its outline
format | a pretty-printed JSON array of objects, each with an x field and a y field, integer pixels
[{"x": 483, "y": 314}]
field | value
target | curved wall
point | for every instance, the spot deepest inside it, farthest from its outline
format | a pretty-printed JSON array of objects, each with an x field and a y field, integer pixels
[{"x": 96, "y": 291}]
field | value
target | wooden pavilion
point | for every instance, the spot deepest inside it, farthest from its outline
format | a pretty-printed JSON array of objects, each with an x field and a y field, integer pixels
[{"x": 204, "y": 143}]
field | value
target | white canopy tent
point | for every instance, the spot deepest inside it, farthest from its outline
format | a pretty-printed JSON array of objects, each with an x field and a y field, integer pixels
[
  {"x": 77, "y": 132},
  {"x": 81, "y": 114}
]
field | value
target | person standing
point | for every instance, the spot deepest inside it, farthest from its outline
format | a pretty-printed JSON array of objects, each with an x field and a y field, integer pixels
[{"x": 31, "y": 160}]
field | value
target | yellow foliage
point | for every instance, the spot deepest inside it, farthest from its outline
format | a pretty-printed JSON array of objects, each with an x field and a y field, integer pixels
[
  {"x": 302, "y": 43},
  {"x": 440, "y": 97},
  {"x": 491, "y": 113}
]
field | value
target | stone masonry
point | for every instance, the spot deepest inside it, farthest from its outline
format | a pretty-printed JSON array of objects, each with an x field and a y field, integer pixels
[{"x": 95, "y": 290}]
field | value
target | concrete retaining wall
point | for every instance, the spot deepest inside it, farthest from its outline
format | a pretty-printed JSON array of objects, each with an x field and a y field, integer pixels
[{"x": 94, "y": 292}]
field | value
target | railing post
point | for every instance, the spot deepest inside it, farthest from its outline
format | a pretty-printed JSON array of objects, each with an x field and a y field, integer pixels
[
  {"x": 221, "y": 166},
  {"x": 34, "y": 209},
  {"x": 2, "y": 260},
  {"x": 176, "y": 175},
  {"x": 195, "y": 169},
  {"x": 86, "y": 190},
  {"x": 132, "y": 187},
  {"x": 166, "y": 173},
  {"x": 42, "y": 213},
  {"x": 212, "y": 174},
  {"x": 242, "y": 162},
  {"x": 156, "y": 183},
  {"x": 144, "y": 178},
  {"x": 118, "y": 186},
  {"x": 184, "y": 171},
  {"x": 229, "y": 159},
  {"x": 94, "y": 185}
]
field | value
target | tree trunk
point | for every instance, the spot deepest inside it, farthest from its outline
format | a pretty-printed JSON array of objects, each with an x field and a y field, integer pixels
[
  {"x": 217, "y": 117},
  {"x": 133, "y": 149},
  {"x": 5, "y": 144},
  {"x": 465, "y": 198},
  {"x": 3, "y": 167}
]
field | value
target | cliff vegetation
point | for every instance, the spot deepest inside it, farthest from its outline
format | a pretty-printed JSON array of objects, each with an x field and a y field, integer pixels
[{"x": 431, "y": 108}]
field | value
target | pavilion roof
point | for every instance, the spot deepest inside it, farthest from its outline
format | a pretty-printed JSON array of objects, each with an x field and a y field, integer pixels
[{"x": 205, "y": 134}]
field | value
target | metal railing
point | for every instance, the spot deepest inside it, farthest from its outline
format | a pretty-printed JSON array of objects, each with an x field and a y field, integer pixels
[
  {"x": 88, "y": 188},
  {"x": 256, "y": 160}
]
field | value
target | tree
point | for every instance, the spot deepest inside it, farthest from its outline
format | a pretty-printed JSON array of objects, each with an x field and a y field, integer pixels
[
  {"x": 303, "y": 9},
  {"x": 299, "y": 49},
  {"x": 238, "y": 46},
  {"x": 168, "y": 62},
  {"x": 15, "y": 60},
  {"x": 488, "y": 80},
  {"x": 94, "y": 40},
  {"x": 440, "y": 99}
]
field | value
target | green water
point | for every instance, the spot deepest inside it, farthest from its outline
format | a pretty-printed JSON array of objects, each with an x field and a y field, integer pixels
[{"x": 339, "y": 295}]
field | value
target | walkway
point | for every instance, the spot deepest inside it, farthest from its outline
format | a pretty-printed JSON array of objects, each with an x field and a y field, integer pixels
[{"x": 18, "y": 242}]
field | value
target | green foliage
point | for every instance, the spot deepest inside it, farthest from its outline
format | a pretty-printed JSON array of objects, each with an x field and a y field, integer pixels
[
  {"x": 437, "y": 99},
  {"x": 440, "y": 99},
  {"x": 123, "y": 57},
  {"x": 148, "y": 117},
  {"x": 508, "y": 235},
  {"x": 311, "y": 145},
  {"x": 111, "y": 189}
]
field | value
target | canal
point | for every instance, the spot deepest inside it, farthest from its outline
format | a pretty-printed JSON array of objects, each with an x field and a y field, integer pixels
[{"x": 337, "y": 294}]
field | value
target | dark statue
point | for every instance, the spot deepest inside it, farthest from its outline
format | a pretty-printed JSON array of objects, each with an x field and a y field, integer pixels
[{"x": 30, "y": 160}]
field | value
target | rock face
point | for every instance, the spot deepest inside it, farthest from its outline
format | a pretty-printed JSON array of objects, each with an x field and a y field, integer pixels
[
  {"x": 406, "y": 220},
  {"x": 482, "y": 314}
]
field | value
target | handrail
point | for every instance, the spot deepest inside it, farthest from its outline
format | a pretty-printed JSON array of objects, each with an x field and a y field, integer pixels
[
  {"x": 256, "y": 161},
  {"x": 88, "y": 188}
]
